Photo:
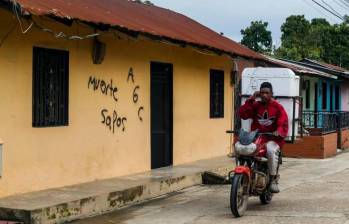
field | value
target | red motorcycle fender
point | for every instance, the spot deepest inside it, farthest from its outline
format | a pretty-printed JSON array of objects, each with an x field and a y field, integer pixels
[{"x": 243, "y": 170}]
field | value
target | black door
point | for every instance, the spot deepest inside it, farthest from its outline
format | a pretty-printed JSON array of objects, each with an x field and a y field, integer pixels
[{"x": 161, "y": 115}]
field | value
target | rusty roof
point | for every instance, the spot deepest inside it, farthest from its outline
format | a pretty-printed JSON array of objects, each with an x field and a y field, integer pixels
[{"x": 153, "y": 20}]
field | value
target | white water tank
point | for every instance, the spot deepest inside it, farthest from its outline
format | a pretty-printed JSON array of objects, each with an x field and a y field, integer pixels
[{"x": 285, "y": 87}]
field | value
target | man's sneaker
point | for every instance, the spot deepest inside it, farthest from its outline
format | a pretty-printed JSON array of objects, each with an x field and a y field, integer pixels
[{"x": 274, "y": 188}]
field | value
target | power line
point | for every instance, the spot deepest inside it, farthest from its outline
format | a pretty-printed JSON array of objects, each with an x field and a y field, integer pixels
[
  {"x": 331, "y": 7},
  {"x": 345, "y": 3},
  {"x": 328, "y": 10},
  {"x": 340, "y": 4},
  {"x": 319, "y": 11}
]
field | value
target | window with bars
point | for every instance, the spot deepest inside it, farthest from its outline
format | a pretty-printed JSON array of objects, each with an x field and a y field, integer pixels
[
  {"x": 50, "y": 87},
  {"x": 216, "y": 94}
]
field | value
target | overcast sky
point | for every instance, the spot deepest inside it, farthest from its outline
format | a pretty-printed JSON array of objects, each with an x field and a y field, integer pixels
[{"x": 230, "y": 16}]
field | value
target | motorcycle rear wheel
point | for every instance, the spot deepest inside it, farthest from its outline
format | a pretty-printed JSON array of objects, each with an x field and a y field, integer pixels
[
  {"x": 266, "y": 198},
  {"x": 239, "y": 195}
]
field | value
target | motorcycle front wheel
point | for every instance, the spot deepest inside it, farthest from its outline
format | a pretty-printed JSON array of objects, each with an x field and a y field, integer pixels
[{"x": 239, "y": 195}]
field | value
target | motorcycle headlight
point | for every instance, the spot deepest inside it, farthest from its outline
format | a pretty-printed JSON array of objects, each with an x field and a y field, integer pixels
[{"x": 245, "y": 150}]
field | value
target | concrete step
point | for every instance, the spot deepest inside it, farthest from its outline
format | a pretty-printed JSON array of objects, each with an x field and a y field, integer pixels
[{"x": 89, "y": 199}]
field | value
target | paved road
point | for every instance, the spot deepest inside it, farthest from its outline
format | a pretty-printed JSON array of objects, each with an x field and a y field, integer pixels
[{"x": 313, "y": 191}]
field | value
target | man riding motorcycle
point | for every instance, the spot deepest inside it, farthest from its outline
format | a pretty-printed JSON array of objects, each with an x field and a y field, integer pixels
[{"x": 268, "y": 116}]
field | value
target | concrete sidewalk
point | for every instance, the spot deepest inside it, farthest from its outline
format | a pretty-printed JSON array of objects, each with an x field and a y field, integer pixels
[
  {"x": 75, "y": 202},
  {"x": 312, "y": 192}
]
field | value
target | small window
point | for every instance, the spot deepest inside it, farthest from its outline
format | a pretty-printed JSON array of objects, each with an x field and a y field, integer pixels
[
  {"x": 216, "y": 94},
  {"x": 50, "y": 87}
]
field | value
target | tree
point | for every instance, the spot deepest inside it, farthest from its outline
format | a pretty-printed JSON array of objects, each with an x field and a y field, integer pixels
[
  {"x": 317, "y": 39},
  {"x": 320, "y": 38},
  {"x": 346, "y": 19},
  {"x": 257, "y": 37},
  {"x": 294, "y": 38},
  {"x": 339, "y": 52}
]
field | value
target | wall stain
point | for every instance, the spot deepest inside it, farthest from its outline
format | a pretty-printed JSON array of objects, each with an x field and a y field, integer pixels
[
  {"x": 122, "y": 197},
  {"x": 172, "y": 181},
  {"x": 86, "y": 201}
]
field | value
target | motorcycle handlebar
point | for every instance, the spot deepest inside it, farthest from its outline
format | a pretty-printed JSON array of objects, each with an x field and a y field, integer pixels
[
  {"x": 237, "y": 132},
  {"x": 231, "y": 132},
  {"x": 267, "y": 134}
]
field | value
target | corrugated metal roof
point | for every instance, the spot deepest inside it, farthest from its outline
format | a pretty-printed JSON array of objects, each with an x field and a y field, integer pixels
[
  {"x": 137, "y": 17},
  {"x": 326, "y": 65},
  {"x": 299, "y": 68}
]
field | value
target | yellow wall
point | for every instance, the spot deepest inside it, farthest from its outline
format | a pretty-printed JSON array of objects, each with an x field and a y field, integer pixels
[{"x": 86, "y": 150}]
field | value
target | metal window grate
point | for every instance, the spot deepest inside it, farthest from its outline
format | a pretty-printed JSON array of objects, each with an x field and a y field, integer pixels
[
  {"x": 216, "y": 94},
  {"x": 50, "y": 87}
]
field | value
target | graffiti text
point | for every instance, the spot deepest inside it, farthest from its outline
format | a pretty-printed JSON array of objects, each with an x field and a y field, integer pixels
[
  {"x": 113, "y": 121},
  {"x": 104, "y": 87}
]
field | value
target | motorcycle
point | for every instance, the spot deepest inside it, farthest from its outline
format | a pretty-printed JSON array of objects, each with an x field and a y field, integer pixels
[{"x": 251, "y": 175}]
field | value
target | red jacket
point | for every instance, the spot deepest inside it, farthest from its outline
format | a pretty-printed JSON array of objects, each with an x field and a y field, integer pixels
[{"x": 266, "y": 118}]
